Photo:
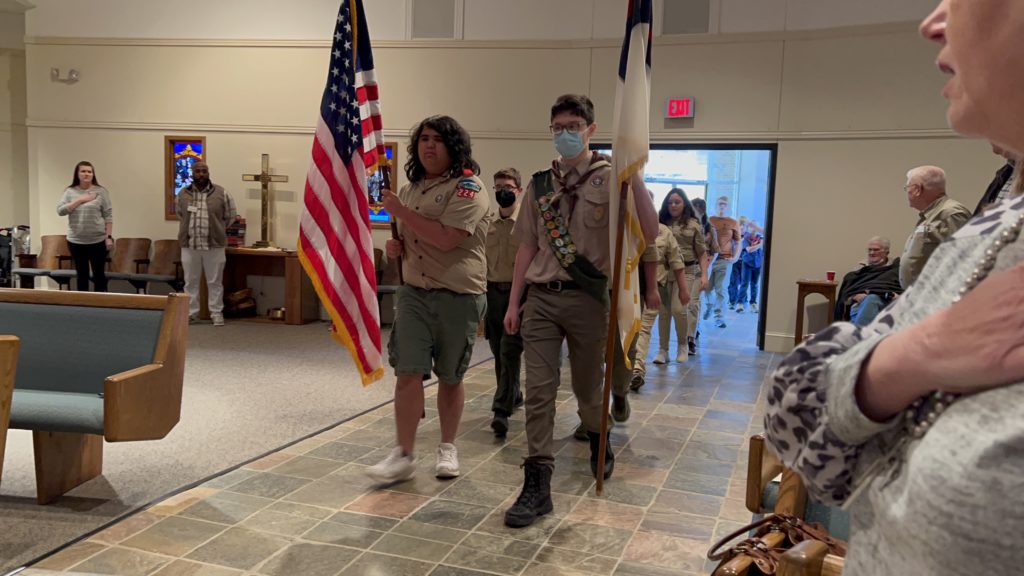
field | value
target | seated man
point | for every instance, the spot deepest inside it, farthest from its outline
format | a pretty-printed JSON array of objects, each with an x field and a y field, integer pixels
[{"x": 869, "y": 289}]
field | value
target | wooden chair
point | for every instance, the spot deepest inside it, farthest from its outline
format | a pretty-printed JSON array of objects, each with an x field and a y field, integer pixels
[
  {"x": 126, "y": 386},
  {"x": 8, "y": 364},
  {"x": 131, "y": 255},
  {"x": 810, "y": 558},
  {"x": 165, "y": 266},
  {"x": 54, "y": 255}
]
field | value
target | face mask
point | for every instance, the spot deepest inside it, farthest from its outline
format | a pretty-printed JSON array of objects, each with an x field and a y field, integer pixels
[
  {"x": 505, "y": 196},
  {"x": 569, "y": 145}
]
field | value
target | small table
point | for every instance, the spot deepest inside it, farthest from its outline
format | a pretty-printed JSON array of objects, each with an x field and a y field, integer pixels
[
  {"x": 300, "y": 301},
  {"x": 826, "y": 288}
]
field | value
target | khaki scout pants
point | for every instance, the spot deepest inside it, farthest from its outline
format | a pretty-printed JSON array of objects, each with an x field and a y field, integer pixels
[
  {"x": 548, "y": 319},
  {"x": 686, "y": 318},
  {"x": 643, "y": 339}
]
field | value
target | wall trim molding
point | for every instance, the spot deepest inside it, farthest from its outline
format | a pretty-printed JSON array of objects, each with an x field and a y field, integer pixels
[
  {"x": 656, "y": 136},
  {"x": 778, "y": 342},
  {"x": 671, "y": 40}
]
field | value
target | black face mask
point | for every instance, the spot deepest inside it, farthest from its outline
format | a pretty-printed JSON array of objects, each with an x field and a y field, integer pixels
[{"x": 505, "y": 196}]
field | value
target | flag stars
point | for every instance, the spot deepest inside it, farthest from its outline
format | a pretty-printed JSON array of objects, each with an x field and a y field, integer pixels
[
  {"x": 337, "y": 53},
  {"x": 335, "y": 71},
  {"x": 348, "y": 27},
  {"x": 334, "y": 88}
]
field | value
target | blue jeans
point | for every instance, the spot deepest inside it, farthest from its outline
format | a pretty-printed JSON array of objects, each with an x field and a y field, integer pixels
[
  {"x": 751, "y": 276},
  {"x": 735, "y": 279},
  {"x": 863, "y": 312}
]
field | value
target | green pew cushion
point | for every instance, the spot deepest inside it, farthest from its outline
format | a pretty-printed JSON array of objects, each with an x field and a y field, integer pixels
[{"x": 57, "y": 411}]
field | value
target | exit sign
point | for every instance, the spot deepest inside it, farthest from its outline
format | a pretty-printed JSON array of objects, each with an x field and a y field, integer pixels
[{"x": 679, "y": 108}]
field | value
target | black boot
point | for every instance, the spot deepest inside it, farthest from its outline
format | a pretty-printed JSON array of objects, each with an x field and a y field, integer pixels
[
  {"x": 500, "y": 425},
  {"x": 595, "y": 448},
  {"x": 535, "y": 499}
]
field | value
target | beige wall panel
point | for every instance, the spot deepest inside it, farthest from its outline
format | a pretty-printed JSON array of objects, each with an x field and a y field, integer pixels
[
  {"x": 882, "y": 82},
  {"x": 752, "y": 16},
  {"x": 13, "y": 144},
  {"x": 238, "y": 19},
  {"x": 507, "y": 90},
  {"x": 736, "y": 86},
  {"x": 813, "y": 14},
  {"x": 248, "y": 86},
  {"x": 528, "y": 19},
  {"x": 832, "y": 196}
]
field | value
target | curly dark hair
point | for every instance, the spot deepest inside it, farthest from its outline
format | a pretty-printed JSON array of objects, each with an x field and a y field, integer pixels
[
  {"x": 456, "y": 141},
  {"x": 75, "y": 181},
  {"x": 664, "y": 216}
]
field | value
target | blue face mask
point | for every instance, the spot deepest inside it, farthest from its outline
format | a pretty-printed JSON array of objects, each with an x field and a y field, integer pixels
[{"x": 569, "y": 145}]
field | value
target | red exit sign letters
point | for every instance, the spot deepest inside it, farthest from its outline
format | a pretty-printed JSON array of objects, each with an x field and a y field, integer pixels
[{"x": 679, "y": 108}]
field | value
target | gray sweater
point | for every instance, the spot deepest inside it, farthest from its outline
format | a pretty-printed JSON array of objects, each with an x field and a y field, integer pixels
[
  {"x": 87, "y": 222},
  {"x": 949, "y": 503}
]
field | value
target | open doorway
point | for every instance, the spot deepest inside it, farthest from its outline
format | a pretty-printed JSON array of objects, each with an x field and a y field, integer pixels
[{"x": 744, "y": 176}]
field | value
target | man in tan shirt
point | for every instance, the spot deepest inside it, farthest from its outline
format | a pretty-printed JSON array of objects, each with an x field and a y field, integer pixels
[
  {"x": 564, "y": 256},
  {"x": 501, "y": 259},
  {"x": 939, "y": 217},
  {"x": 729, "y": 237}
]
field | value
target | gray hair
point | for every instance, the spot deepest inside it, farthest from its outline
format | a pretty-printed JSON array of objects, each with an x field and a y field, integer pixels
[
  {"x": 931, "y": 178},
  {"x": 881, "y": 240}
]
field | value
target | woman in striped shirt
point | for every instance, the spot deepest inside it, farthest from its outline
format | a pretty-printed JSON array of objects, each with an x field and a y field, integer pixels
[{"x": 90, "y": 225}]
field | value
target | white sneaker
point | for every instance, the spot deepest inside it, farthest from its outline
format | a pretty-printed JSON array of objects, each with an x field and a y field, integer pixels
[
  {"x": 753, "y": 307},
  {"x": 218, "y": 319},
  {"x": 447, "y": 461},
  {"x": 661, "y": 357},
  {"x": 394, "y": 468}
]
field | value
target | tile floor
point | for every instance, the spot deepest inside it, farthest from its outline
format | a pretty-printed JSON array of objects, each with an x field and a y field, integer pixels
[{"x": 310, "y": 510}]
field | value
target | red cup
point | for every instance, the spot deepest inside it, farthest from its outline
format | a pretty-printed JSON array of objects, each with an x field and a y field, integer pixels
[{"x": 831, "y": 276}]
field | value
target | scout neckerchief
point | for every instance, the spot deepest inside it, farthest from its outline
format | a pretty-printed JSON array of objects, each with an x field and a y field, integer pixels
[{"x": 556, "y": 226}]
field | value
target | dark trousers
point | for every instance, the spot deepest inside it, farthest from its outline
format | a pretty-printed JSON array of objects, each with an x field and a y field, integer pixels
[
  {"x": 507, "y": 350},
  {"x": 735, "y": 279},
  {"x": 751, "y": 276},
  {"x": 86, "y": 255}
]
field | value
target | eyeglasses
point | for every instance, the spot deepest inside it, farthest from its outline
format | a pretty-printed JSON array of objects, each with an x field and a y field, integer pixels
[
  {"x": 908, "y": 187},
  {"x": 505, "y": 189},
  {"x": 574, "y": 128}
]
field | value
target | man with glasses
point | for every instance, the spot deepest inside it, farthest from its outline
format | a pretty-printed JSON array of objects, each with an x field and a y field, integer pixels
[
  {"x": 939, "y": 216},
  {"x": 868, "y": 290},
  {"x": 564, "y": 256},
  {"x": 729, "y": 245}
]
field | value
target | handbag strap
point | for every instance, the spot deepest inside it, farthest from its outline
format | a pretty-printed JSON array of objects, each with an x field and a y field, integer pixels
[{"x": 767, "y": 558}]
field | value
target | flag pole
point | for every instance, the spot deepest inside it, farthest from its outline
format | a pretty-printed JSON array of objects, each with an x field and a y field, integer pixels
[
  {"x": 386, "y": 175},
  {"x": 613, "y": 334}
]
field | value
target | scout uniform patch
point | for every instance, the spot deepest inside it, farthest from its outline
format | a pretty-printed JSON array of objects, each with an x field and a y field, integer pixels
[{"x": 467, "y": 188}]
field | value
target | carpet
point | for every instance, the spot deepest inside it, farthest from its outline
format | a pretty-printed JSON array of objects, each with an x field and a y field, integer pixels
[{"x": 249, "y": 388}]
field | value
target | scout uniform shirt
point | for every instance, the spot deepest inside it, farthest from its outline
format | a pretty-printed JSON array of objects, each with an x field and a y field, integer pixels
[
  {"x": 664, "y": 251},
  {"x": 690, "y": 237},
  {"x": 586, "y": 209},
  {"x": 937, "y": 222},
  {"x": 458, "y": 203},
  {"x": 502, "y": 246}
]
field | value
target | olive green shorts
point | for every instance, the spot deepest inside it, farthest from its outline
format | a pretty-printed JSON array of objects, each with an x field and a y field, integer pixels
[{"x": 434, "y": 330}]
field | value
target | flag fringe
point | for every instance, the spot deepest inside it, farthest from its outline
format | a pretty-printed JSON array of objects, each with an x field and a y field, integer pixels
[{"x": 340, "y": 333}]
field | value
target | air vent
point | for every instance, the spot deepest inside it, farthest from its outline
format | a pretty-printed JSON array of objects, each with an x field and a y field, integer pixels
[
  {"x": 686, "y": 17},
  {"x": 433, "y": 18}
]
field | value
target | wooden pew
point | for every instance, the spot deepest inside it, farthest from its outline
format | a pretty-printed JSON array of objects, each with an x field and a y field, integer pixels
[
  {"x": 93, "y": 367},
  {"x": 8, "y": 365}
]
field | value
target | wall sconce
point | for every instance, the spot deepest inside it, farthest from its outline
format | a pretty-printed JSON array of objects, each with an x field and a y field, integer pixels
[{"x": 72, "y": 76}]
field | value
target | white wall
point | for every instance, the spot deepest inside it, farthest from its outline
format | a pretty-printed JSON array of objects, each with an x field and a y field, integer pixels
[
  {"x": 14, "y": 199},
  {"x": 482, "y": 19}
]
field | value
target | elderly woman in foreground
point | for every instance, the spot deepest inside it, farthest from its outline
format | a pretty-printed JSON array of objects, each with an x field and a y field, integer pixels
[{"x": 916, "y": 421}]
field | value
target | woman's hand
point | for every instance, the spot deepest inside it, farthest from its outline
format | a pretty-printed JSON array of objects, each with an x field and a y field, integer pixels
[
  {"x": 684, "y": 295},
  {"x": 653, "y": 298},
  {"x": 512, "y": 318},
  {"x": 394, "y": 247},
  {"x": 703, "y": 283},
  {"x": 110, "y": 243},
  {"x": 975, "y": 345},
  {"x": 87, "y": 197}
]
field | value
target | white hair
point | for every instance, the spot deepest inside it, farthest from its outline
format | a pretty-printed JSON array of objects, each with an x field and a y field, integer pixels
[
  {"x": 881, "y": 240},
  {"x": 931, "y": 178}
]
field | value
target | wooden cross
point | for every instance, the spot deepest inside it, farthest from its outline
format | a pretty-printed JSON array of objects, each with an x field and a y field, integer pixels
[{"x": 264, "y": 178}]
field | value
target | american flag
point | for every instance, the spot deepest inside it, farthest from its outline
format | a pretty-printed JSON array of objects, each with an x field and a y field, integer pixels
[
  {"x": 630, "y": 142},
  {"x": 335, "y": 245}
]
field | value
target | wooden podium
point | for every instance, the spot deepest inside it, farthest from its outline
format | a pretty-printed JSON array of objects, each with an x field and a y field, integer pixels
[{"x": 300, "y": 300}]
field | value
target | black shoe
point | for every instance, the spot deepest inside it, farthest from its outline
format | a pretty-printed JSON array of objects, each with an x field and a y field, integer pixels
[
  {"x": 691, "y": 347},
  {"x": 609, "y": 458},
  {"x": 636, "y": 382},
  {"x": 535, "y": 498},
  {"x": 500, "y": 425},
  {"x": 520, "y": 400},
  {"x": 620, "y": 408},
  {"x": 580, "y": 433}
]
